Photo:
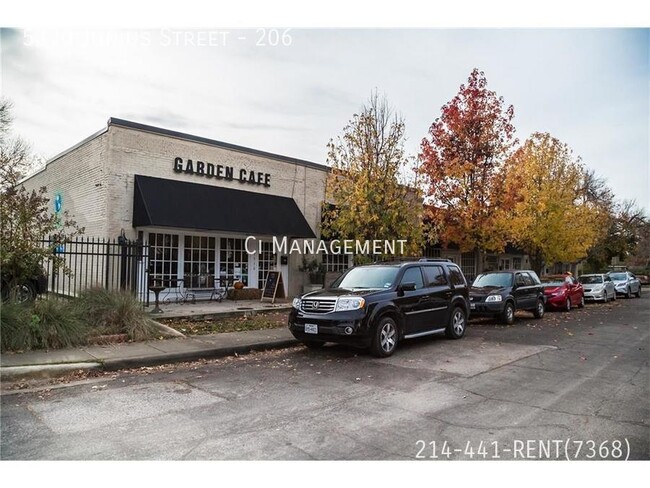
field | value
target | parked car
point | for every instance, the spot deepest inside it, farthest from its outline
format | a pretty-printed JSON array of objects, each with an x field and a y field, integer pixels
[
  {"x": 598, "y": 287},
  {"x": 563, "y": 292},
  {"x": 502, "y": 293},
  {"x": 23, "y": 290},
  {"x": 377, "y": 306},
  {"x": 626, "y": 283}
]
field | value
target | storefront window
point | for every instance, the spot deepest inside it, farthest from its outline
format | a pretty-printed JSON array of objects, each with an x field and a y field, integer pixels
[
  {"x": 199, "y": 262},
  {"x": 163, "y": 256},
  {"x": 431, "y": 252},
  {"x": 467, "y": 265},
  {"x": 336, "y": 263},
  {"x": 267, "y": 262},
  {"x": 233, "y": 263}
]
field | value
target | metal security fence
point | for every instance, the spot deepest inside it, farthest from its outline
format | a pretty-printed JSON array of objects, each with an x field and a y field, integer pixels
[{"x": 113, "y": 264}]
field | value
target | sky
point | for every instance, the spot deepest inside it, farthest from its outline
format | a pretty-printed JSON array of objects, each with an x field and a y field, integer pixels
[{"x": 587, "y": 87}]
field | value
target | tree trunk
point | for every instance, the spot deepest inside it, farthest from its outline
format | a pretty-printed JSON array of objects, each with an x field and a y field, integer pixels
[{"x": 536, "y": 263}]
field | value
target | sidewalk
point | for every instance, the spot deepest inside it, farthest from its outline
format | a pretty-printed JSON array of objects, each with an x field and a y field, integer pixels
[
  {"x": 212, "y": 309},
  {"x": 44, "y": 364}
]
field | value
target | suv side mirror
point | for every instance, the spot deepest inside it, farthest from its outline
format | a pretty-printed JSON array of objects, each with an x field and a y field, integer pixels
[{"x": 408, "y": 286}]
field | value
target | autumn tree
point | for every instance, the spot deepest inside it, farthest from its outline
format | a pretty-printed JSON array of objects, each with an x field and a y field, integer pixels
[
  {"x": 461, "y": 161},
  {"x": 624, "y": 229},
  {"x": 639, "y": 256},
  {"x": 553, "y": 219},
  {"x": 367, "y": 196},
  {"x": 25, "y": 217}
]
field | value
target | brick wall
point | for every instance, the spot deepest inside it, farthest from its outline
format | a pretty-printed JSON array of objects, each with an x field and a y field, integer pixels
[{"x": 79, "y": 176}]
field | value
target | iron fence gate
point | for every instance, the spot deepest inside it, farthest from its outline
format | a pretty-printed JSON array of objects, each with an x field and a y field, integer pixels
[{"x": 113, "y": 264}]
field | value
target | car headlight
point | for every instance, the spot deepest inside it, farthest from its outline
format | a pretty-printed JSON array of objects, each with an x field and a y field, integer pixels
[
  {"x": 296, "y": 303},
  {"x": 494, "y": 298},
  {"x": 351, "y": 303}
]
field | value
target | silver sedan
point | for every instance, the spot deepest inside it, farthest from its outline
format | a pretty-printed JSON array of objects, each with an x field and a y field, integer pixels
[{"x": 598, "y": 287}]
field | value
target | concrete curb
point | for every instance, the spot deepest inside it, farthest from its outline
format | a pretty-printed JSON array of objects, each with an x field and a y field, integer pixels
[
  {"x": 179, "y": 357},
  {"x": 220, "y": 315},
  {"x": 16, "y": 373}
]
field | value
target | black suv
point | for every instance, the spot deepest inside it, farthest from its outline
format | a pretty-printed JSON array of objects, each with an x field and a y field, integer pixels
[
  {"x": 378, "y": 305},
  {"x": 502, "y": 293}
]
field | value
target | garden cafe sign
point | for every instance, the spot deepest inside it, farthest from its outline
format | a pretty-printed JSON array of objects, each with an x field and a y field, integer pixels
[{"x": 221, "y": 172}]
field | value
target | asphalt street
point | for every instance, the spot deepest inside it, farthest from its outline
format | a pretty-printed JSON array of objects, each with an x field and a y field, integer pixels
[{"x": 570, "y": 386}]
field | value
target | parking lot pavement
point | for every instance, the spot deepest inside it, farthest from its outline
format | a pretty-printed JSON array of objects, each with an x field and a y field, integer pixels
[{"x": 572, "y": 385}]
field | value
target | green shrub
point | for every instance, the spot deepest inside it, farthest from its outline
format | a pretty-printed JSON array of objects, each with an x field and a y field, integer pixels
[
  {"x": 43, "y": 324},
  {"x": 115, "y": 312},
  {"x": 59, "y": 324},
  {"x": 15, "y": 325}
]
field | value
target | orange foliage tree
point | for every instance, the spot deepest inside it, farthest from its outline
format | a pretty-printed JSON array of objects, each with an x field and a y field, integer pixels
[{"x": 462, "y": 160}]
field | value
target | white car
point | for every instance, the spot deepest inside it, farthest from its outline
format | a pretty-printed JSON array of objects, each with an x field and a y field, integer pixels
[
  {"x": 626, "y": 283},
  {"x": 598, "y": 287}
]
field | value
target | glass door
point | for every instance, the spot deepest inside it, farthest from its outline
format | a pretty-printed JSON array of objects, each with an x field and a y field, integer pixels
[
  {"x": 233, "y": 260},
  {"x": 267, "y": 261}
]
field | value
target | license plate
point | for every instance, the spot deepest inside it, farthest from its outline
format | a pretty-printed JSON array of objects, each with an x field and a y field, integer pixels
[
  {"x": 311, "y": 328},
  {"x": 472, "y": 306}
]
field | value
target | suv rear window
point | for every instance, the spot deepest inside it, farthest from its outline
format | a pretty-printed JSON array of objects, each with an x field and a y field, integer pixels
[
  {"x": 534, "y": 277},
  {"x": 528, "y": 280},
  {"x": 456, "y": 276},
  {"x": 435, "y": 275}
]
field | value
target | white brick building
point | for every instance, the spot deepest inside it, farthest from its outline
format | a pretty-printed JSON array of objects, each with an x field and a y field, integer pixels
[{"x": 194, "y": 203}]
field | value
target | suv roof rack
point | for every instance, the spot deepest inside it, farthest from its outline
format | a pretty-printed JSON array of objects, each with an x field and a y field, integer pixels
[
  {"x": 433, "y": 260},
  {"x": 399, "y": 260}
]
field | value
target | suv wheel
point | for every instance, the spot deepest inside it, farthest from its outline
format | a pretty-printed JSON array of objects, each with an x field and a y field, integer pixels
[
  {"x": 539, "y": 309},
  {"x": 457, "y": 324},
  {"x": 582, "y": 302},
  {"x": 385, "y": 339},
  {"x": 628, "y": 292},
  {"x": 638, "y": 293},
  {"x": 22, "y": 293},
  {"x": 508, "y": 314}
]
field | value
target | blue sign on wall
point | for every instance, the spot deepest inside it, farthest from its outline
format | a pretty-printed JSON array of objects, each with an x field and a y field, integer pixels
[{"x": 58, "y": 203}]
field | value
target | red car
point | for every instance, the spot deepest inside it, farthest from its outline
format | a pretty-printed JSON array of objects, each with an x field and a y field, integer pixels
[{"x": 563, "y": 292}]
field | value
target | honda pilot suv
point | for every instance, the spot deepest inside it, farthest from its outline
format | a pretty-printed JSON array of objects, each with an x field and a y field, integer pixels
[{"x": 377, "y": 306}]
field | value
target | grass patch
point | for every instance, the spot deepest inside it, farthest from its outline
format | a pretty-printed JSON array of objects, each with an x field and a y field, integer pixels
[
  {"x": 273, "y": 320},
  {"x": 115, "y": 312},
  {"x": 44, "y": 324}
]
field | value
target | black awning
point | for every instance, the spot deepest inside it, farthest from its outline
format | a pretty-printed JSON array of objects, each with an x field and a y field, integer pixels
[{"x": 168, "y": 203}]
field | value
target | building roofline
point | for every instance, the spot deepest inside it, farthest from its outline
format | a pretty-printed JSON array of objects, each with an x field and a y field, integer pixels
[
  {"x": 212, "y": 142},
  {"x": 64, "y": 152}
]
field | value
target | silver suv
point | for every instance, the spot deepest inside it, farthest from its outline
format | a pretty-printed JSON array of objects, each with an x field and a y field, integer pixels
[{"x": 626, "y": 283}]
